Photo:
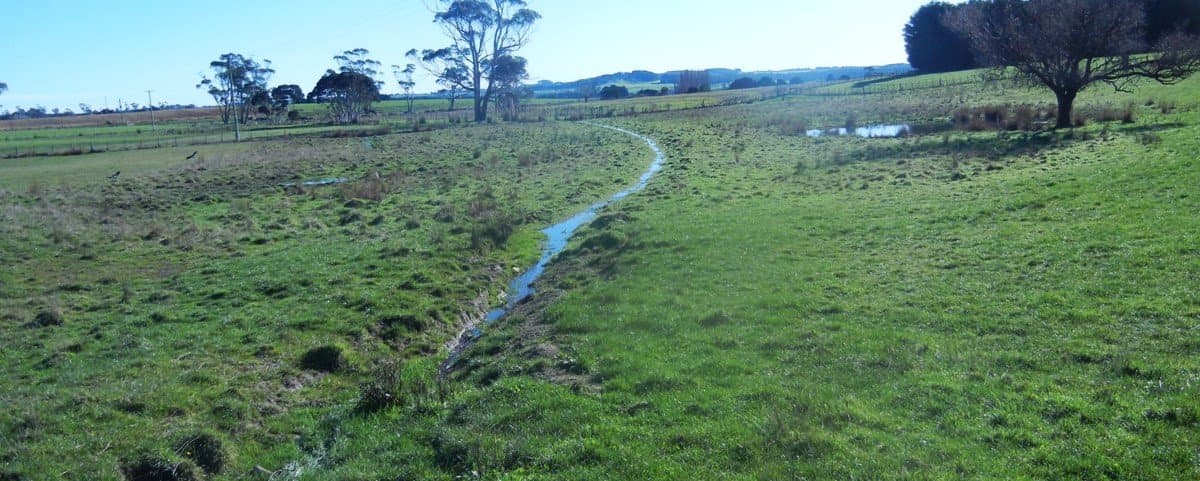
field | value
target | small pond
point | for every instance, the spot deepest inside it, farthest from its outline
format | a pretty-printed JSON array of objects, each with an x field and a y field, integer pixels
[{"x": 869, "y": 132}]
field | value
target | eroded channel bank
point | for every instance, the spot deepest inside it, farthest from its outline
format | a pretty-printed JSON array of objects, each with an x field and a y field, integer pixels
[{"x": 557, "y": 237}]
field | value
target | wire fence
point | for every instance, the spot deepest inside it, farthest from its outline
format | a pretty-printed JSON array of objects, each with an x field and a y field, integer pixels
[
  {"x": 884, "y": 87},
  {"x": 197, "y": 134}
]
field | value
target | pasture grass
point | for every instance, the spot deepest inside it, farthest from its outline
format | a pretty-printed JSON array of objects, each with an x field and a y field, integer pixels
[
  {"x": 987, "y": 306},
  {"x": 200, "y": 299},
  {"x": 953, "y": 304}
]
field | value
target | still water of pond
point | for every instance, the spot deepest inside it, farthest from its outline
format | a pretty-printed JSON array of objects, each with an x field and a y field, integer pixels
[{"x": 869, "y": 132}]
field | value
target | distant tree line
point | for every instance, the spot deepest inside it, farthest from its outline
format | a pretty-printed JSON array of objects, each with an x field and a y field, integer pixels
[
  {"x": 481, "y": 60},
  {"x": 932, "y": 46},
  {"x": 39, "y": 112},
  {"x": 749, "y": 83}
]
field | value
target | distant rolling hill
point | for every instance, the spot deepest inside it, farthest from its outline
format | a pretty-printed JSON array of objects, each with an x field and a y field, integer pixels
[{"x": 719, "y": 76}]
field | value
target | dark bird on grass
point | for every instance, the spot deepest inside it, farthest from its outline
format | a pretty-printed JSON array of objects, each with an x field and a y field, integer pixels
[
  {"x": 115, "y": 175},
  {"x": 190, "y": 157}
]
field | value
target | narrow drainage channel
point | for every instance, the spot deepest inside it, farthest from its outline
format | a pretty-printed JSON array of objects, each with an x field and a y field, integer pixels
[
  {"x": 557, "y": 236},
  {"x": 316, "y": 182}
]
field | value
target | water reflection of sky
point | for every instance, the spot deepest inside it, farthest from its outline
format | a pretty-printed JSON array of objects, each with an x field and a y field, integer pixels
[{"x": 870, "y": 131}]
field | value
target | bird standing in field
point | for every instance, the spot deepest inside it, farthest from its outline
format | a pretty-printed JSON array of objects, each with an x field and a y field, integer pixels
[
  {"x": 115, "y": 175},
  {"x": 190, "y": 157}
]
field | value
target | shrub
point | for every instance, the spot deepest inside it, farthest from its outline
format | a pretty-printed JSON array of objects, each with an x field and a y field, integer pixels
[
  {"x": 446, "y": 212},
  {"x": 205, "y": 450},
  {"x": 613, "y": 92},
  {"x": 158, "y": 469},
  {"x": 492, "y": 225},
  {"x": 715, "y": 319},
  {"x": 325, "y": 359},
  {"x": 370, "y": 188},
  {"x": 381, "y": 392},
  {"x": 47, "y": 318},
  {"x": 1023, "y": 117},
  {"x": 1149, "y": 138},
  {"x": 743, "y": 83}
]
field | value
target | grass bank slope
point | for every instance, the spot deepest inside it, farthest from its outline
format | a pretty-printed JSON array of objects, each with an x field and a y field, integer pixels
[
  {"x": 952, "y": 305},
  {"x": 203, "y": 316}
]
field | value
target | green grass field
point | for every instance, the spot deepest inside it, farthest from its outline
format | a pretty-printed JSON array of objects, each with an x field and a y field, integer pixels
[{"x": 953, "y": 304}]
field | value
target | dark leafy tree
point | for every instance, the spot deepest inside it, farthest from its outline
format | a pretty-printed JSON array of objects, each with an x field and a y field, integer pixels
[
  {"x": 352, "y": 88},
  {"x": 508, "y": 73},
  {"x": 933, "y": 47},
  {"x": 1164, "y": 17},
  {"x": 743, "y": 83},
  {"x": 1068, "y": 45},
  {"x": 613, "y": 92},
  {"x": 33, "y": 112},
  {"x": 282, "y": 99},
  {"x": 480, "y": 32},
  {"x": 236, "y": 79},
  {"x": 261, "y": 102},
  {"x": 348, "y": 95},
  {"x": 647, "y": 93},
  {"x": 287, "y": 95},
  {"x": 404, "y": 77}
]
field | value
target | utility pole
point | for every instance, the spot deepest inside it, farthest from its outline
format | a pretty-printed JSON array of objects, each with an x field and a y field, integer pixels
[{"x": 150, "y": 102}]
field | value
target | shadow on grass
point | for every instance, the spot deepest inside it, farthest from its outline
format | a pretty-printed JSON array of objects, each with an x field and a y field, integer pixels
[{"x": 993, "y": 146}]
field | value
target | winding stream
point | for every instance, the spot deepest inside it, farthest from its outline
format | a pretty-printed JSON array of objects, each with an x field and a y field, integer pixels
[{"x": 557, "y": 236}]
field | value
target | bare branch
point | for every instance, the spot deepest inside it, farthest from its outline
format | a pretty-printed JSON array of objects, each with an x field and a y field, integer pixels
[{"x": 1068, "y": 45}]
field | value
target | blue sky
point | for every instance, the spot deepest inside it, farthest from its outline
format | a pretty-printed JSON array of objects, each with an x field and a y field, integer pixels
[{"x": 60, "y": 53}]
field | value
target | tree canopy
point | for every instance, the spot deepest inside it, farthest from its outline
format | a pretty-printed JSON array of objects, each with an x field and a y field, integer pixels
[
  {"x": 236, "y": 80},
  {"x": 933, "y": 47},
  {"x": 347, "y": 94},
  {"x": 743, "y": 83},
  {"x": 613, "y": 92},
  {"x": 287, "y": 94},
  {"x": 508, "y": 74},
  {"x": 1164, "y": 17},
  {"x": 1068, "y": 45},
  {"x": 480, "y": 33},
  {"x": 404, "y": 77},
  {"x": 352, "y": 88},
  {"x": 358, "y": 61}
]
